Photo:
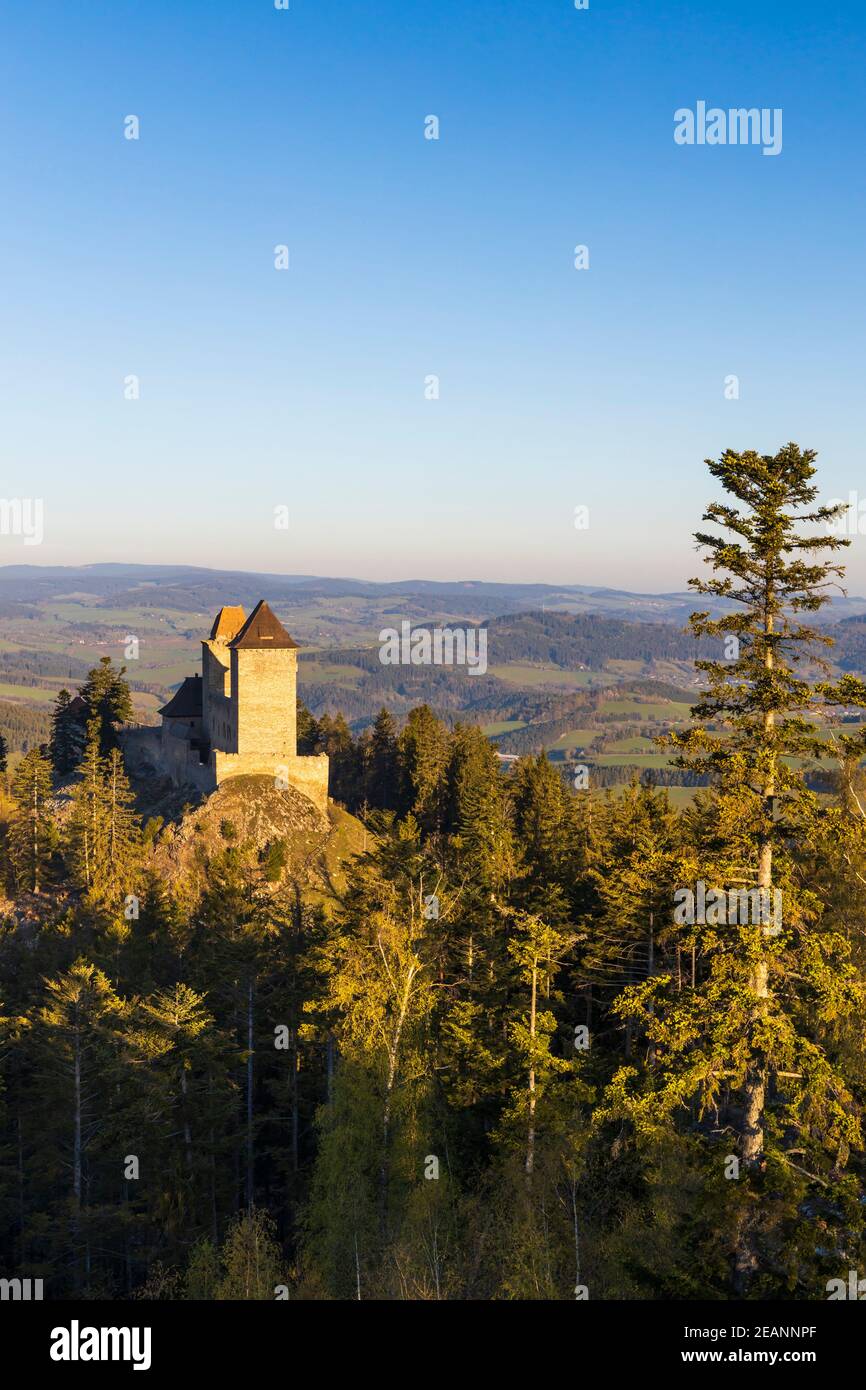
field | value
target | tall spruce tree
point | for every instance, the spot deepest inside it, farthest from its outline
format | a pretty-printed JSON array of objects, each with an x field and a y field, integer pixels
[
  {"x": 106, "y": 694},
  {"x": 32, "y": 834},
  {"x": 738, "y": 1037},
  {"x": 68, "y": 735},
  {"x": 383, "y": 773}
]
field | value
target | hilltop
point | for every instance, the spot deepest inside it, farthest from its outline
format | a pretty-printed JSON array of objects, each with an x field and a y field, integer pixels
[{"x": 305, "y": 848}]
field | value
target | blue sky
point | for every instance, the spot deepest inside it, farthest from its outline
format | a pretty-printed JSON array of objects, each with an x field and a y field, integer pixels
[{"x": 410, "y": 257}]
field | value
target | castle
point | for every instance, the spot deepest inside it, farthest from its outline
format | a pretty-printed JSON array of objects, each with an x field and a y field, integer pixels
[{"x": 239, "y": 717}]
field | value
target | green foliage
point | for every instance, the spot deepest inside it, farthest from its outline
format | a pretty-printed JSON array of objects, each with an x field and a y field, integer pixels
[
  {"x": 68, "y": 735},
  {"x": 106, "y": 694},
  {"x": 103, "y": 833},
  {"x": 32, "y": 836}
]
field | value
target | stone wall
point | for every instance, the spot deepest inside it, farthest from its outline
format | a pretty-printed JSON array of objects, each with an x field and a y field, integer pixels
[
  {"x": 308, "y": 775},
  {"x": 264, "y": 693},
  {"x": 172, "y": 757},
  {"x": 217, "y": 712}
]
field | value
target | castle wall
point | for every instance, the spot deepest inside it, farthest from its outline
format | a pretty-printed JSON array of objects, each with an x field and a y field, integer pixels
[
  {"x": 308, "y": 775},
  {"x": 169, "y": 755},
  {"x": 264, "y": 697},
  {"x": 182, "y": 728},
  {"x": 218, "y": 720}
]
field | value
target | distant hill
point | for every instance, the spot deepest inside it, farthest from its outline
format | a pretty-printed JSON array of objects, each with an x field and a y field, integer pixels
[{"x": 192, "y": 589}]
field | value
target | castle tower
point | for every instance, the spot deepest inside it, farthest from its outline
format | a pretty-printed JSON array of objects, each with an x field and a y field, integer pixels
[
  {"x": 218, "y": 723},
  {"x": 264, "y": 685}
]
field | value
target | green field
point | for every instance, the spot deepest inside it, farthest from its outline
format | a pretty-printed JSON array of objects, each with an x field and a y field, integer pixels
[
  {"x": 632, "y": 759},
  {"x": 311, "y": 672},
  {"x": 505, "y": 726},
  {"x": 136, "y": 620},
  {"x": 576, "y": 738},
  {"x": 27, "y": 694},
  {"x": 522, "y": 673},
  {"x": 671, "y": 711},
  {"x": 635, "y": 744}
]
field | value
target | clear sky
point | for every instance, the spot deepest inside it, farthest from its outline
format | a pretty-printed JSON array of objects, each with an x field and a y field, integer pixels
[{"x": 410, "y": 257}]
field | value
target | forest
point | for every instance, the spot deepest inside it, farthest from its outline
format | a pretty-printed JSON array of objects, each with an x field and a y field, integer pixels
[{"x": 494, "y": 1063}]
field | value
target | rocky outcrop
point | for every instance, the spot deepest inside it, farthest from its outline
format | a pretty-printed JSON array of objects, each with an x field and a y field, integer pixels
[{"x": 251, "y": 811}]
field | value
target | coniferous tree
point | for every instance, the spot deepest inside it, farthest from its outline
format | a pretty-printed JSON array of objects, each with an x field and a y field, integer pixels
[
  {"x": 32, "y": 836},
  {"x": 424, "y": 754},
  {"x": 104, "y": 833},
  {"x": 308, "y": 732},
  {"x": 76, "y": 1041},
  {"x": 383, "y": 770},
  {"x": 123, "y": 833},
  {"x": 739, "y": 1032},
  {"x": 68, "y": 736},
  {"x": 87, "y": 830},
  {"x": 106, "y": 694}
]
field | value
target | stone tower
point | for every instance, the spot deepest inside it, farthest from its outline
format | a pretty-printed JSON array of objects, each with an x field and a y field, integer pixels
[
  {"x": 264, "y": 684},
  {"x": 218, "y": 716}
]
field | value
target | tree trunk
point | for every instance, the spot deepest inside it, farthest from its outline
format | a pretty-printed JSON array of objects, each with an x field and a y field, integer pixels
[
  {"x": 393, "y": 1053},
  {"x": 76, "y": 1154},
  {"x": 295, "y": 1101},
  {"x": 35, "y": 836},
  {"x": 530, "y": 1136},
  {"x": 755, "y": 1088},
  {"x": 22, "y": 1243},
  {"x": 250, "y": 1155},
  {"x": 187, "y": 1134}
]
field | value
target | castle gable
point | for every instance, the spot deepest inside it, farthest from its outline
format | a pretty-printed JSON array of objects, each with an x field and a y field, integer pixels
[
  {"x": 227, "y": 623},
  {"x": 262, "y": 630}
]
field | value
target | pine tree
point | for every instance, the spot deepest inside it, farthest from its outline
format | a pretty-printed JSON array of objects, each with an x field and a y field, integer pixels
[
  {"x": 87, "y": 830},
  {"x": 346, "y": 775},
  {"x": 308, "y": 732},
  {"x": 106, "y": 694},
  {"x": 123, "y": 833},
  {"x": 104, "y": 833},
  {"x": 32, "y": 835},
  {"x": 173, "y": 1042},
  {"x": 383, "y": 771},
  {"x": 424, "y": 754},
  {"x": 68, "y": 736},
  {"x": 77, "y": 1044},
  {"x": 625, "y": 936},
  {"x": 737, "y": 1039},
  {"x": 536, "y": 948}
]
